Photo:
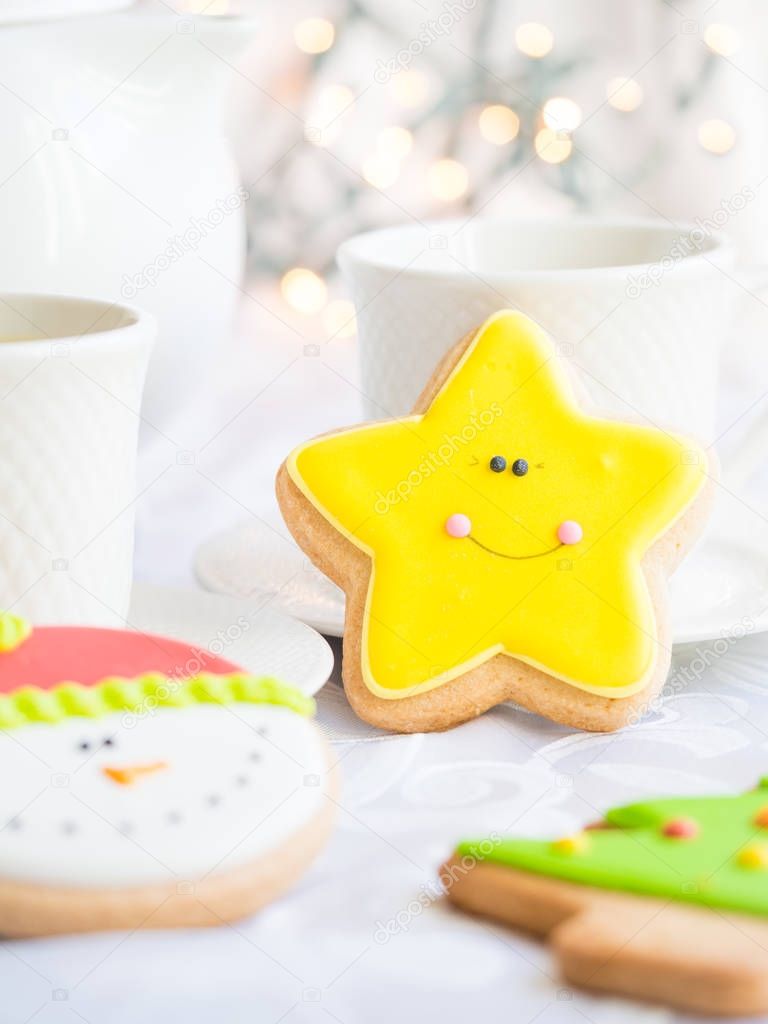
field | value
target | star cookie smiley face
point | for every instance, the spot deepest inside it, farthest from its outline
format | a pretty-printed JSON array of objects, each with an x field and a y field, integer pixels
[{"x": 501, "y": 543}]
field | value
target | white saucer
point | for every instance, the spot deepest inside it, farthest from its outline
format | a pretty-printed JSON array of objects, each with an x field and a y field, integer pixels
[
  {"x": 720, "y": 590},
  {"x": 258, "y": 638},
  {"x": 258, "y": 561}
]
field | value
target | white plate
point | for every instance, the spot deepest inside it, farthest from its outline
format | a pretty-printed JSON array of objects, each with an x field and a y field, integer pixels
[
  {"x": 258, "y": 638},
  {"x": 256, "y": 560},
  {"x": 720, "y": 590}
]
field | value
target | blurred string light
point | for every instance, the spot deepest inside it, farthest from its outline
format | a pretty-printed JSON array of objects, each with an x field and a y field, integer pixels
[
  {"x": 407, "y": 100},
  {"x": 304, "y": 290},
  {"x": 332, "y": 101},
  {"x": 409, "y": 88},
  {"x": 533, "y": 39},
  {"x": 381, "y": 170},
  {"x": 552, "y": 146},
  {"x": 324, "y": 118},
  {"x": 448, "y": 179},
  {"x": 314, "y": 35},
  {"x": 395, "y": 141},
  {"x": 561, "y": 114},
  {"x": 722, "y": 39},
  {"x": 716, "y": 136},
  {"x": 339, "y": 318},
  {"x": 624, "y": 94},
  {"x": 498, "y": 124}
]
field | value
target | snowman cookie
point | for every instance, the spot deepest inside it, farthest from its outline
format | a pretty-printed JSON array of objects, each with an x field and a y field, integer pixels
[
  {"x": 164, "y": 787},
  {"x": 665, "y": 900},
  {"x": 502, "y": 543}
]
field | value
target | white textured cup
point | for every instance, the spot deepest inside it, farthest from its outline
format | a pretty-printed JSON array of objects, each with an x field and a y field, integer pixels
[
  {"x": 71, "y": 378},
  {"x": 639, "y": 307}
]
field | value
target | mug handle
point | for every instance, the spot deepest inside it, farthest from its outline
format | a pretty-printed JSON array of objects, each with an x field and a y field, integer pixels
[{"x": 746, "y": 459}]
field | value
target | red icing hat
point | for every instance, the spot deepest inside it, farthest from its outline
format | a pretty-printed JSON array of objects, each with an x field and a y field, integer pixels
[{"x": 87, "y": 654}]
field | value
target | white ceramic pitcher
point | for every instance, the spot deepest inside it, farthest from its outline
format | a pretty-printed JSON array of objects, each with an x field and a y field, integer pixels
[{"x": 115, "y": 176}]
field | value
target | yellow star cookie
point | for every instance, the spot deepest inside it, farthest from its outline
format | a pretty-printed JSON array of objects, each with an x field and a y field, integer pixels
[{"x": 501, "y": 542}]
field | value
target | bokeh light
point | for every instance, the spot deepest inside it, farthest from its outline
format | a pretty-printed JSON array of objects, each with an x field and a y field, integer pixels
[
  {"x": 314, "y": 35},
  {"x": 409, "y": 88},
  {"x": 381, "y": 170},
  {"x": 716, "y": 136},
  {"x": 561, "y": 114},
  {"x": 395, "y": 141},
  {"x": 339, "y": 318},
  {"x": 551, "y": 146},
  {"x": 448, "y": 179},
  {"x": 624, "y": 94},
  {"x": 498, "y": 124},
  {"x": 304, "y": 290},
  {"x": 534, "y": 39},
  {"x": 722, "y": 39}
]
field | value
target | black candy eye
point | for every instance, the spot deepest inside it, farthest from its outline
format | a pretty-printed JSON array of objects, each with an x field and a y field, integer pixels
[
  {"x": 498, "y": 463},
  {"x": 519, "y": 467}
]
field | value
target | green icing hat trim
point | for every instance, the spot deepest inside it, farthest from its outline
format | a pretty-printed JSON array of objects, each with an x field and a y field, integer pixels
[
  {"x": 144, "y": 694},
  {"x": 14, "y": 630},
  {"x": 712, "y": 851}
]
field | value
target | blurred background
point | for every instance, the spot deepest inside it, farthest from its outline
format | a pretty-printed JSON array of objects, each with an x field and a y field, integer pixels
[
  {"x": 205, "y": 158},
  {"x": 370, "y": 113}
]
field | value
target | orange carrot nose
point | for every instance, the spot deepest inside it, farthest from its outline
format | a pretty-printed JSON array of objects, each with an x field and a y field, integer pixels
[{"x": 130, "y": 773}]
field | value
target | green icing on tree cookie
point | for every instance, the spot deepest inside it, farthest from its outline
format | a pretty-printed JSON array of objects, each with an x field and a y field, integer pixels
[{"x": 706, "y": 850}]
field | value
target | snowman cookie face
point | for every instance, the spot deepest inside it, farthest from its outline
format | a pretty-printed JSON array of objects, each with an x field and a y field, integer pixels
[
  {"x": 148, "y": 784},
  {"x": 179, "y": 794}
]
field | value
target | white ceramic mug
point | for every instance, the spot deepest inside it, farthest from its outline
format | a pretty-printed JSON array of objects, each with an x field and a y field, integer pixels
[
  {"x": 71, "y": 378},
  {"x": 639, "y": 307}
]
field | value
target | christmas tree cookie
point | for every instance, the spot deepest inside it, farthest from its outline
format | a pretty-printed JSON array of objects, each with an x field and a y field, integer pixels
[
  {"x": 502, "y": 543},
  {"x": 664, "y": 900},
  {"x": 147, "y": 783}
]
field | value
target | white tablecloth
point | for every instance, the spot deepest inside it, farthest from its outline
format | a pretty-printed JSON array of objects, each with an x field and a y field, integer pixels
[{"x": 363, "y": 936}]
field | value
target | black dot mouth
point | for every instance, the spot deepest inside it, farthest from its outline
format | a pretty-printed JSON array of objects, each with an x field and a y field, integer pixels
[{"x": 514, "y": 558}]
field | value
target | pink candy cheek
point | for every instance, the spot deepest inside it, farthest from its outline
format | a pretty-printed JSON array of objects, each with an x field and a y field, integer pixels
[
  {"x": 458, "y": 525},
  {"x": 569, "y": 532}
]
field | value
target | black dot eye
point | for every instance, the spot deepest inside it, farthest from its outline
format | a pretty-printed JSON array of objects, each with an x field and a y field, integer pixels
[
  {"x": 84, "y": 745},
  {"x": 519, "y": 467},
  {"x": 498, "y": 463},
  {"x": 108, "y": 742}
]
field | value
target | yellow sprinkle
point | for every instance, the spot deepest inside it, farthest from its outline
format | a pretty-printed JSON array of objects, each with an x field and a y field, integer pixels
[
  {"x": 577, "y": 843},
  {"x": 755, "y": 856}
]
